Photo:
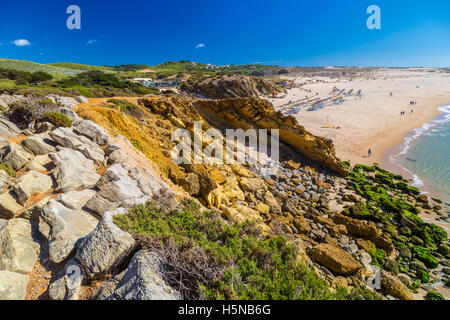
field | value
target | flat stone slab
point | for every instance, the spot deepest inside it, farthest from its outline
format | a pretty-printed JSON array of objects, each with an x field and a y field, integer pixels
[
  {"x": 13, "y": 286},
  {"x": 31, "y": 183},
  {"x": 17, "y": 247}
]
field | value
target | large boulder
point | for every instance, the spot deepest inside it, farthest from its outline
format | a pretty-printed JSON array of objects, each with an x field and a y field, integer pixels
[
  {"x": 93, "y": 131},
  {"x": 365, "y": 229},
  {"x": 394, "y": 287},
  {"x": 13, "y": 286},
  {"x": 70, "y": 177},
  {"x": 15, "y": 155},
  {"x": 18, "y": 250},
  {"x": 114, "y": 173},
  {"x": 142, "y": 280},
  {"x": 9, "y": 205},
  {"x": 73, "y": 172},
  {"x": 39, "y": 144},
  {"x": 335, "y": 259},
  {"x": 115, "y": 194},
  {"x": 68, "y": 282},
  {"x": 67, "y": 138},
  {"x": 105, "y": 247},
  {"x": 30, "y": 183},
  {"x": 68, "y": 228}
]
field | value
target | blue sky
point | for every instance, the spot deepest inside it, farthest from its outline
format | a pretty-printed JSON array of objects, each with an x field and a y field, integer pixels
[{"x": 283, "y": 32}]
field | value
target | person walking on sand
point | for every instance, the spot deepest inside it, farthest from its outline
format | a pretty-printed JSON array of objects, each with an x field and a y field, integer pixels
[{"x": 370, "y": 152}]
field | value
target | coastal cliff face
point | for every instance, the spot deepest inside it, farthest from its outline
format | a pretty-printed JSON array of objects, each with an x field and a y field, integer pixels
[
  {"x": 72, "y": 180},
  {"x": 230, "y": 87},
  {"x": 246, "y": 113}
]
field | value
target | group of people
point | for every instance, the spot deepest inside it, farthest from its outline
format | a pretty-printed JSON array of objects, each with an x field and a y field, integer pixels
[{"x": 402, "y": 113}]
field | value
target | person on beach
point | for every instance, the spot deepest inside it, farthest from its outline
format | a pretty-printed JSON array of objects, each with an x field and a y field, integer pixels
[
  {"x": 370, "y": 152},
  {"x": 412, "y": 110}
]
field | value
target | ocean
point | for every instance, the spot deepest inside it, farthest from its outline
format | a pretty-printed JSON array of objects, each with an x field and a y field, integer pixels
[{"x": 425, "y": 155}]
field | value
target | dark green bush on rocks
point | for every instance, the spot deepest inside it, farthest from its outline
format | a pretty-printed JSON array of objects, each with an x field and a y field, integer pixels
[{"x": 58, "y": 119}]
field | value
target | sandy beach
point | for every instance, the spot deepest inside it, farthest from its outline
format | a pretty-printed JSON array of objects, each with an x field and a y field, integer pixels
[{"x": 372, "y": 120}]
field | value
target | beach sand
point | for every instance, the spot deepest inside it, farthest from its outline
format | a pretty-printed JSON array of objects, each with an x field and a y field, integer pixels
[{"x": 372, "y": 121}]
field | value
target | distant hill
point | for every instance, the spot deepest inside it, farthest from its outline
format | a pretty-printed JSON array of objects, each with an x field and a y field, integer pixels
[
  {"x": 28, "y": 66},
  {"x": 77, "y": 66}
]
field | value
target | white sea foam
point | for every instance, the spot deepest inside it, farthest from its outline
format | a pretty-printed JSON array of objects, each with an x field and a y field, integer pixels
[{"x": 427, "y": 128}]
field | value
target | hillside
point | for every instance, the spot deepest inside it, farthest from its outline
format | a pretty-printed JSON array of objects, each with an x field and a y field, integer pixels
[
  {"x": 78, "y": 67},
  {"x": 28, "y": 66}
]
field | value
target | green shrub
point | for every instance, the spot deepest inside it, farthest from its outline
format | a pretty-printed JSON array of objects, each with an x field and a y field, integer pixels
[
  {"x": 8, "y": 169},
  {"x": 58, "y": 119},
  {"x": 236, "y": 261},
  {"x": 137, "y": 144}
]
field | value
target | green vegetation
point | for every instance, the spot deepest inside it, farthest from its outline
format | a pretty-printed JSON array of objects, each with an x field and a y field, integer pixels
[
  {"x": 127, "y": 107},
  {"x": 433, "y": 295},
  {"x": 81, "y": 67},
  {"x": 58, "y": 119},
  {"x": 137, "y": 144},
  {"x": 210, "y": 258},
  {"x": 8, "y": 169},
  {"x": 25, "y": 78},
  {"x": 28, "y": 66},
  {"x": 389, "y": 200},
  {"x": 424, "y": 255}
]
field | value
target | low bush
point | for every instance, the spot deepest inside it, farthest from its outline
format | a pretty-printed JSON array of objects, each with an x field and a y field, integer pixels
[
  {"x": 8, "y": 169},
  {"x": 58, "y": 119},
  {"x": 206, "y": 257}
]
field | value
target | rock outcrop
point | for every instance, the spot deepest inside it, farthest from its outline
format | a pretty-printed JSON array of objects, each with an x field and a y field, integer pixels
[
  {"x": 247, "y": 113},
  {"x": 230, "y": 87},
  {"x": 142, "y": 280}
]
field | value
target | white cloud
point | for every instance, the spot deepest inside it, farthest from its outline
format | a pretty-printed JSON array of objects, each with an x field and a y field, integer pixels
[
  {"x": 200, "y": 45},
  {"x": 22, "y": 43},
  {"x": 91, "y": 42}
]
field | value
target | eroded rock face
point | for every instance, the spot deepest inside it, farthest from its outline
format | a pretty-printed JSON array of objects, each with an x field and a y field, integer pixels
[
  {"x": 247, "y": 113},
  {"x": 13, "y": 286},
  {"x": 106, "y": 246},
  {"x": 142, "y": 280},
  {"x": 67, "y": 138},
  {"x": 68, "y": 227},
  {"x": 335, "y": 259},
  {"x": 230, "y": 87}
]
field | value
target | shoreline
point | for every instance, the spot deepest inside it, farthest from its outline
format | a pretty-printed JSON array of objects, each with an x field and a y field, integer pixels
[{"x": 396, "y": 149}]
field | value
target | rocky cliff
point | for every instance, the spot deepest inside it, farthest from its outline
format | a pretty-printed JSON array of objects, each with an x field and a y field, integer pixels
[
  {"x": 246, "y": 113},
  {"x": 230, "y": 87}
]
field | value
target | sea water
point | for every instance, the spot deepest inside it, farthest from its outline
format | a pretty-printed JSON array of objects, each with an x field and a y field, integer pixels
[{"x": 426, "y": 156}]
